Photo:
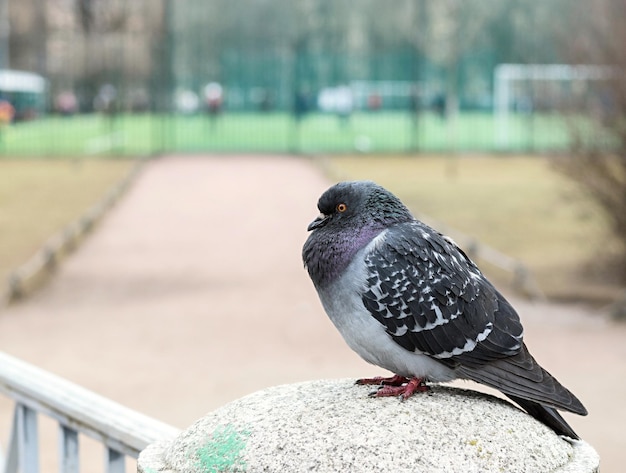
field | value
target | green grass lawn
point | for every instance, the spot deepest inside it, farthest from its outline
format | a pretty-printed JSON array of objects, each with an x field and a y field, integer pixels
[
  {"x": 518, "y": 205},
  {"x": 40, "y": 197},
  {"x": 277, "y": 132}
]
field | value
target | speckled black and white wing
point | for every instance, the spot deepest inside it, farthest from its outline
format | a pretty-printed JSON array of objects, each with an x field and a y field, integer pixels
[{"x": 432, "y": 299}]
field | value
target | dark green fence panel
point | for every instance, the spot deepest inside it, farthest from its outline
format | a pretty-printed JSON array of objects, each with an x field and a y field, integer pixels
[{"x": 149, "y": 76}]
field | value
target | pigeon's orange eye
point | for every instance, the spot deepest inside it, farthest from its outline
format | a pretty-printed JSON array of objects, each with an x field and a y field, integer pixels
[{"x": 342, "y": 207}]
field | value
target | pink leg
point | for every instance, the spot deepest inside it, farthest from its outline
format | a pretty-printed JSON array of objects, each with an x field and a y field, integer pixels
[
  {"x": 395, "y": 380},
  {"x": 413, "y": 386}
]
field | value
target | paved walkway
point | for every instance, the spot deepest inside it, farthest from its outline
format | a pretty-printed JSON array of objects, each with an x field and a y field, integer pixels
[{"x": 191, "y": 293}]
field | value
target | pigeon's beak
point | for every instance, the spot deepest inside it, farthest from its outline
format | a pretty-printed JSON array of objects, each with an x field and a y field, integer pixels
[{"x": 318, "y": 222}]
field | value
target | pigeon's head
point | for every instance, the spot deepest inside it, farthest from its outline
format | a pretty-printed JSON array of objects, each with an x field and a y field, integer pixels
[
  {"x": 352, "y": 214},
  {"x": 358, "y": 204}
]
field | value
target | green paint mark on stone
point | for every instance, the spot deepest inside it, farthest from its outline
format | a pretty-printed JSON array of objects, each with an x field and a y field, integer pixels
[{"x": 223, "y": 452}]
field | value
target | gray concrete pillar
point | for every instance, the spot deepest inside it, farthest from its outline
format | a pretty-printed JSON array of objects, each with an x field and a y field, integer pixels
[{"x": 332, "y": 426}]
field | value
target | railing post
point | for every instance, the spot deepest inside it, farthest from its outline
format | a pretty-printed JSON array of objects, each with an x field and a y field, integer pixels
[
  {"x": 28, "y": 439},
  {"x": 115, "y": 461},
  {"x": 10, "y": 462},
  {"x": 68, "y": 450}
]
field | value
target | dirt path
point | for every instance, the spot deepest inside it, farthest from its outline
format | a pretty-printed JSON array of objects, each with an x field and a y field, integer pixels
[{"x": 191, "y": 293}]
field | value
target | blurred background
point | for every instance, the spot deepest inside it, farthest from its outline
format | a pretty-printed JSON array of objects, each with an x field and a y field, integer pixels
[
  {"x": 500, "y": 122},
  {"x": 86, "y": 79},
  {"x": 313, "y": 76}
]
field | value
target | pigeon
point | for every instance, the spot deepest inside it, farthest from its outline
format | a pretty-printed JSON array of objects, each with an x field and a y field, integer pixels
[{"x": 406, "y": 298}]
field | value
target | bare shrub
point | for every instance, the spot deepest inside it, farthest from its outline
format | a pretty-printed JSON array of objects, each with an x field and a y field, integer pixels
[{"x": 598, "y": 158}]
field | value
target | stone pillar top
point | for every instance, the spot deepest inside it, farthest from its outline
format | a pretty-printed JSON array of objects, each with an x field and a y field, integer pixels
[{"x": 333, "y": 426}]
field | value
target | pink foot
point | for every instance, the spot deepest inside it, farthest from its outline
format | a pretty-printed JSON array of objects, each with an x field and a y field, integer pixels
[
  {"x": 395, "y": 380},
  {"x": 404, "y": 391}
]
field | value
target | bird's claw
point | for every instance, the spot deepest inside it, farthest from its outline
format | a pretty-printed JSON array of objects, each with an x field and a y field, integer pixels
[
  {"x": 395, "y": 380},
  {"x": 403, "y": 391}
]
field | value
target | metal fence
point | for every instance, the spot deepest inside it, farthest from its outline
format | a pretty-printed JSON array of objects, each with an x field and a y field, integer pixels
[
  {"x": 121, "y": 431},
  {"x": 316, "y": 76}
]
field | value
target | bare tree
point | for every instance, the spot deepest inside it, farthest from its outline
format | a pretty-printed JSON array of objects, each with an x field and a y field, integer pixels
[{"x": 598, "y": 160}]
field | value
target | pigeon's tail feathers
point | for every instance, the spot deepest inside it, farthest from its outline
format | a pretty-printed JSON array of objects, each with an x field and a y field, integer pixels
[
  {"x": 547, "y": 415},
  {"x": 522, "y": 377}
]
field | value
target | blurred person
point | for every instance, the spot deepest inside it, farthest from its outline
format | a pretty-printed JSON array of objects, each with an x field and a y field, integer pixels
[
  {"x": 439, "y": 105},
  {"x": 374, "y": 102},
  {"x": 105, "y": 99},
  {"x": 301, "y": 104},
  {"x": 7, "y": 113},
  {"x": 214, "y": 97},
  {"x": 214, "y": 100},
  {"x": 266, "y": 103},
  {"x": 343, "y": 103},
  {"x": 66, "y": 103},
  {"x": 415, "y": 100}
]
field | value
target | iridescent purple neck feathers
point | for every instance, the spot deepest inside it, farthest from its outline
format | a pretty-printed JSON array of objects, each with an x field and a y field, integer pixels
[
  {"x": 352, "y": 215},
  {"x": 327, "y": 253}
]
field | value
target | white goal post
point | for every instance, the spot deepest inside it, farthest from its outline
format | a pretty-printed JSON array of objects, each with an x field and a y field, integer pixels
[{"x": 506, "y": 74}]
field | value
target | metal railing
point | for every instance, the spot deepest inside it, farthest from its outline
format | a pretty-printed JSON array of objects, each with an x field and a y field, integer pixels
[{"x": 122, "y": 431}]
